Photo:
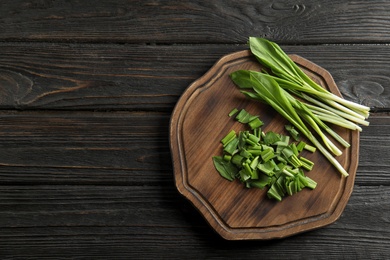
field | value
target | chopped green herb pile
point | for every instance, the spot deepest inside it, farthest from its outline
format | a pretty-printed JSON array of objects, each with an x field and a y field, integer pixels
[
  {"x": 304, "y": 103},
  {"x": 260, "y": 159}
]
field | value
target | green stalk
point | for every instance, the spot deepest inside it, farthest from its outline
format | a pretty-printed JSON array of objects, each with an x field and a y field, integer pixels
[
  {"x": 328, "y": 116},
  {"x": 326, "y": 95},
  {"x": 341, "y": 121},
  {"x": 313, "y": 120},
  {"x": 270, "y": 54},
  {"x": 336, "y": 120},
  {"x": 338, "y": 112},
  {"x": 323, "y": 125},
  {"x": 329, "y": 144},
  {"x": 331, "y": 159},
  {"x": 333, "y": 106},
  {"x": 332, "y": 133},
  {"x": 343, "y": 108},
  {"x": 309, "y": 136},
  {"x": 351, "y": 105},
  {"x": 272, "y": 95}
]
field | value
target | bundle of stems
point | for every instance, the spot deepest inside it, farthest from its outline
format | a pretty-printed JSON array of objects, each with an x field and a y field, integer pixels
[
  {"x": 299, "y": 99},
  {"x": 291, "y": 77}
]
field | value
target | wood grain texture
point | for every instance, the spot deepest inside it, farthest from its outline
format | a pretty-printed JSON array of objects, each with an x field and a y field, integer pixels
[
  {"x": 124, "y": 148},
  {"x": 118, "y": 148},
  {"x": 195, "y": 21},
  {"x": 88, "y": 213},
  {"x": 375, "y": 153},
  {"x": 86, "y": 93},
  {"x": 147, "y": 222},
  {"x": 132, "y": 77},
  {"x": 78, "y": 77}
]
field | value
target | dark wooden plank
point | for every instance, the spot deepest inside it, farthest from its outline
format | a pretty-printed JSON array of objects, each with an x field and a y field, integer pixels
[
  {"x": 118, "y": 77},
  {"x": 125, "y": 148},
  {"x": 195, "y": 21},
  {"x": 84, "y": 147},
  {"x": 114, "y": 77},
  {"x": 103, "y": 77},
  {"x": 87, "y": 184},
  {"x": 96, "y": 221},
  {"x": 374, "y": 152}
]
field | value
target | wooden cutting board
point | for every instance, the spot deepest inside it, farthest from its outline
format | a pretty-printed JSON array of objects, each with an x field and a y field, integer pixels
[{"x": 198, "y": 123}]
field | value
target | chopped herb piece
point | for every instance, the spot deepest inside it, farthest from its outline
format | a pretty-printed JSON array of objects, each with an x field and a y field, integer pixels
[
  {"x": 253, "y": 138},
  {"x": 228, "y": 138},
  {"x": 293, "y": 148},
  {"x": 244, "y": 117},
  {"x": 237, "y": 159},
  {"x": 226, "y": 169},
  {"x": 233, "y": 112},
  {"x": 284, "y": 141},
  {"x": 263, "y": 159},
  {"x": 310, "y": 183},
  {"x": 244, "y": 153},
  {"x": 309, "y": 148},
  {"x": 267, "y": 167},
  {"x": 231, "y": 147},
  {"x": 261, "y": 182},
  {"x": 306, "y": 163},
  {"x": 251, "y": 142},
  {"x": 241, "y": 140},
  {"x": 227, "y": 157},
  {"x": 254, "y": 150},
  {"x": 244, "y": 175},
  {"x": 275, "y": 193},
  {"x": 255, "y": 123},
  {"x": 255, "y": 174},
  {"x": 257, "y": 132},
  {"x": 267, "y": 154},
  {"x": 287, "y": 152},
  {"x": 271, "y": 138},
  {"x": 254, "y": 162},
  {"x": 293, "y": 132},
  {"x": 301, "y": 146}
]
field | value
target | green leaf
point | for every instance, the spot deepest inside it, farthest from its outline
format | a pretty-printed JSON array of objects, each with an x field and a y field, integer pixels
[
  {"x": 271, "y": 138},
  {"x": 244, "y": 117},
  {"x": 225, "y": 169}
]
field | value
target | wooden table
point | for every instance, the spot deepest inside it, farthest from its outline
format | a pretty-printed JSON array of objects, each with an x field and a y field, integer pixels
[{"x": 87, "y": 89}]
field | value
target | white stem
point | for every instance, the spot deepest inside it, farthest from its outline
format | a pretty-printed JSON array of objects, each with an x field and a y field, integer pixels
[
  {"x": 329, "y": 95},
  {"x": 331, "y": 159},
  {"x": 358, "y": 119},
  {"x": 330, "y": 117},
  {"x": 338, "y": 121}
]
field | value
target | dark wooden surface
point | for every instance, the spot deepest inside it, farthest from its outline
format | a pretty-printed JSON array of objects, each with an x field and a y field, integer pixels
[{"x": 86, "y": 93}]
